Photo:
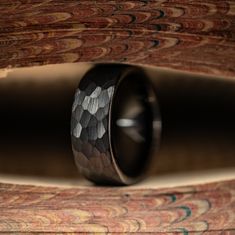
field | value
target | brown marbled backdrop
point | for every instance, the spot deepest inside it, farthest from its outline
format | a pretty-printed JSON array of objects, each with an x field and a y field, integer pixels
[
  {"x": 196, "y": 36},
  {"x": 201, "y": 209}
]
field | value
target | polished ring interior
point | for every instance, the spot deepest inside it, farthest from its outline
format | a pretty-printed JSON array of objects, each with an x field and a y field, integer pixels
[{"x": 115, "y": 124}]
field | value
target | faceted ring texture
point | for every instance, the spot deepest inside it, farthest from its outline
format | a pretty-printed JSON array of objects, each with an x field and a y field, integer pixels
[{"x": 115, "y": 124}]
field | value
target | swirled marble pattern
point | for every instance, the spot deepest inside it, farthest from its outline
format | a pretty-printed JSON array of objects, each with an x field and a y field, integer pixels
[
  {"x": 207, "y": 209},
  {"x": 196, "y": 36}
]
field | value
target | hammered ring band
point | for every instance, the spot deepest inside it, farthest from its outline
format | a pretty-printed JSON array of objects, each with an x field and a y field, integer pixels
[{"x": 115, "y": 124}]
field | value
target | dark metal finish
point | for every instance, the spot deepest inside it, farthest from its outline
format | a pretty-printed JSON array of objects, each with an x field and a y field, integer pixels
[{"x": 115, "y": 124}]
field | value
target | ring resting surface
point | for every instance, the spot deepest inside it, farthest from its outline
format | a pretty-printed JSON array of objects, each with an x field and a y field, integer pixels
[{"x": 115, "y": 124}]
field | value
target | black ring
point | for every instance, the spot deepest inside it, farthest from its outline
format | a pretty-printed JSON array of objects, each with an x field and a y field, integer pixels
[{"x": 96, "y": 140}]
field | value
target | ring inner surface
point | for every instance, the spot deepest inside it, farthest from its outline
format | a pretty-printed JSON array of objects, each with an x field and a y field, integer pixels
[{"x": 132, "y": 125}]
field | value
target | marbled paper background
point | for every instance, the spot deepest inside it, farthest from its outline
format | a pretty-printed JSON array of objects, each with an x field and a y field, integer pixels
[
  {"x": 201, "y": 209},
  {"x": 197, "y": 36}
]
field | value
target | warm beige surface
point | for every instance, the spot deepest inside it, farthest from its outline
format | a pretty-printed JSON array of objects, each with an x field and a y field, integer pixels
[
  {"x": 35, "y": 103},
  {"x": 160, "y": 181}
]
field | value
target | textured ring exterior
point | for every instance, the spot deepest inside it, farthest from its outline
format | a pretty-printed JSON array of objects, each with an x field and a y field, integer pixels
[{"x": 90, "y": 125}]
